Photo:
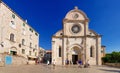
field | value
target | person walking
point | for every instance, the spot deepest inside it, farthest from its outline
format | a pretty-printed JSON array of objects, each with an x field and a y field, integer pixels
[
  {"x": 80, "y": 64},
  {"x": 48, "y": 62}
]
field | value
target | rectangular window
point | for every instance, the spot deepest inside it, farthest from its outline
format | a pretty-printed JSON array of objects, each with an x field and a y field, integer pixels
[
  {"x": 31, "y": 29},
  {"x": 23, "y": 41},
  {"x": 23, "y": 51},
  {"x": 13, "y": 16},
  {"x": 24, "y": 24},
  {"x": 59, "y": 51},
  {"x": 12, "y": 37},
  {"x": 91, "y": 52},
  {"x": 36, "y": 34}
]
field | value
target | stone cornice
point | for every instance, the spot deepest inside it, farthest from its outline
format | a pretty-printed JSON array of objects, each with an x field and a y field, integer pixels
[
  {"x": 75, "y": 21},
  {"x": 76, "y": 36}
]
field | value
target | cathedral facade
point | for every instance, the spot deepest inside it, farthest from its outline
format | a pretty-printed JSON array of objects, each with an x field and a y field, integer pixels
[{"x": 76, "y": 41}]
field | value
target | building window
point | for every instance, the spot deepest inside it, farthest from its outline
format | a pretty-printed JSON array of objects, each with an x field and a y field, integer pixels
[
  {"x": 13, "y": 16},
  {"x": 59, "y": 51},
  {"x": 12, "y": 37},
  {"x": 24, "y": 24},
  {"x": 12, "y": 24},
  {"x": 30, "y": 53},
  {"x": 30, "y": 45},
  {"x": 91, "y": 51},
  {"x": 36, "y": 34},
  {"x": 23, "y": 51},
  {"x": 31, "y": 29},
  {"x": 23, "y": 41}
]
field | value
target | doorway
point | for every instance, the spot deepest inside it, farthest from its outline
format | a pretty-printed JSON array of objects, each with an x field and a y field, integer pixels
[
  {"x": 13, "y": 52},
  {"x": 74, "y": 59}
]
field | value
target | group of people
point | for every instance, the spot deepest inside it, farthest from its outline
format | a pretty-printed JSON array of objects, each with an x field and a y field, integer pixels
[
  {"x": 53, "y": 63},
  {"x": 67, "y": 62},
  {"x": 86, "y": 65},
  {"x": 79, "y": 63}
]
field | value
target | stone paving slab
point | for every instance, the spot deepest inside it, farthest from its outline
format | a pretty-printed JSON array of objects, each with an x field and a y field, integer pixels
[{"x": 58, "y": 69}]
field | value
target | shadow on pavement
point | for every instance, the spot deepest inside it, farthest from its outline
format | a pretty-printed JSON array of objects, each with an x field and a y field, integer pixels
[{"x": 118, "y": 71}]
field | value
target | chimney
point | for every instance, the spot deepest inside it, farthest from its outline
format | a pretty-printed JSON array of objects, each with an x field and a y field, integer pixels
[{"x": 26, "y": 20}]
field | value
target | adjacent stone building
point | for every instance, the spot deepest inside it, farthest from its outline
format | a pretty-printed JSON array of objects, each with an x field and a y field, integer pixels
[
  {"x": 16, "y": 36},
  {"x": 76, "y": 41}
]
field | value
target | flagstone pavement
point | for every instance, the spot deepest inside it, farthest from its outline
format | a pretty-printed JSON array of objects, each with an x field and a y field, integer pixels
[{"x": 43, "y": 68}]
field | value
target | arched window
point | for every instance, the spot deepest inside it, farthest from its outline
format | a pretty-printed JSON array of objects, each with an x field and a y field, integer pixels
[
  {"x": 11, "y": 37},
  {"x": 91, "y": 51},
  {"x": 59, "y": 51},
  {"x": 12, "y": 24},
  {"x": 23, "y": 41}
]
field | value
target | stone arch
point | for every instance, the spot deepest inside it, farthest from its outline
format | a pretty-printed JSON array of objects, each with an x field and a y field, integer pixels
[
  {"x": 78, "y": 45},
  {"x": 13, "y": 50},
  {"x": 75, "y": 53}
]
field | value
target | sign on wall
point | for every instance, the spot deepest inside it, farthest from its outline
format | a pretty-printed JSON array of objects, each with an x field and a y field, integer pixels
[{"x": 8, "y": 60}]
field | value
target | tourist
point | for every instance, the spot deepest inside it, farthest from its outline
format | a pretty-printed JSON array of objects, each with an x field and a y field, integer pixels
[
  {"x": 48, "y": 62},
  {"x": 71, "y": 63},
  {"x": 66, "y": 62},
  {"x": 80, "y": 64}
]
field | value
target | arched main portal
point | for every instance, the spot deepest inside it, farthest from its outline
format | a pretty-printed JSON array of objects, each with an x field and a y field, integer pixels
[{"x": 75, "y": 54}]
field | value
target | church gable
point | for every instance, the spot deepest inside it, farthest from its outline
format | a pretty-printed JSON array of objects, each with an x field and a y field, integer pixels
[{"x": 76, "y": 14}]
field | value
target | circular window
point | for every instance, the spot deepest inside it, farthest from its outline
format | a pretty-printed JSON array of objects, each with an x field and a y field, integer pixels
[
  {"x": 75, "y": 16},
  {"x": 76, "y": 28}
]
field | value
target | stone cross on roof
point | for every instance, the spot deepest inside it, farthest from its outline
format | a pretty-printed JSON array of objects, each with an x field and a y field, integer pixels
[{"x": 76, "y": 8}]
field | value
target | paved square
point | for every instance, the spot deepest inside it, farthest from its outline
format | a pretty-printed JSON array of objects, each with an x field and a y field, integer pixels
[{"x": 59, "y": 69}]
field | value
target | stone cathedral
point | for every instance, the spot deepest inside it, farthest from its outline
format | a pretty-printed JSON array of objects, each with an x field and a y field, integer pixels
[{"x": 75, "y": 41}]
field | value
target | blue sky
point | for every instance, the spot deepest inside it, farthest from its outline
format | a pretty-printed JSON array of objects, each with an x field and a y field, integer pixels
[{"x": 46, "y": 16}]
